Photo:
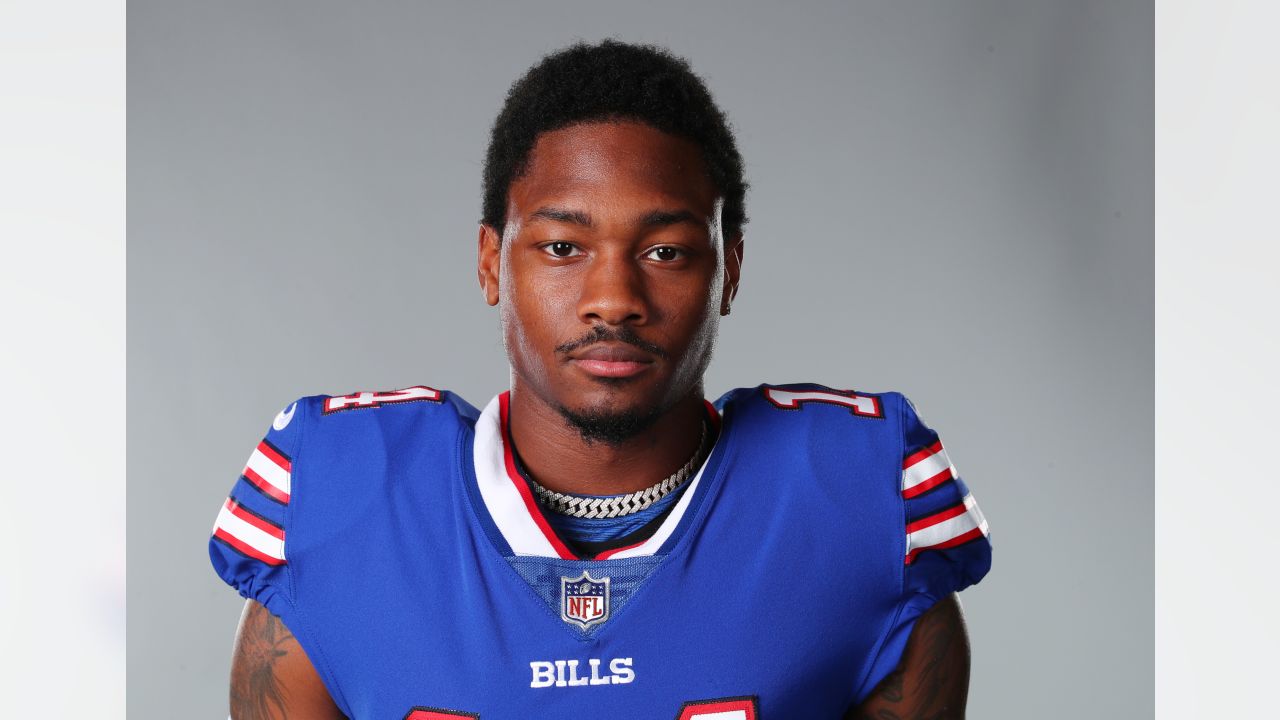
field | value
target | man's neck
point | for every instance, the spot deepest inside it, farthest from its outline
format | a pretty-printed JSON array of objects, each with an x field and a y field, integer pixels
[{"x": 555, "y": 454}]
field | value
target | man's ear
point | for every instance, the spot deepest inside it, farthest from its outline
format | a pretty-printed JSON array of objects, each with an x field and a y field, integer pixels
[
  {"x": 732, "y": 272},
  {"x": 489, "y": 262}
]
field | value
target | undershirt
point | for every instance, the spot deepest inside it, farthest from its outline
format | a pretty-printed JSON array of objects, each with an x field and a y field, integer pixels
[{"x": 595, "y": 530}]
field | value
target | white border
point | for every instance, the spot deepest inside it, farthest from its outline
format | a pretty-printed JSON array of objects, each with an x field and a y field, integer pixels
[
  {"x": 62, "y": 140},
  {"x": 1217, "y": 356},
  {"x": 504, "y": 502},
  {"x": 62, "y": 318}
]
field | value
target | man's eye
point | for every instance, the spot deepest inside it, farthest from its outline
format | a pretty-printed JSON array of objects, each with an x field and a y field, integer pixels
[
  {"x": 665, "y": 253},
  {"x": 561, "y": 249}
]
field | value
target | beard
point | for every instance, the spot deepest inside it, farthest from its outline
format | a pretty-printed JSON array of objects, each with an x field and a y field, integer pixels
[
  {"x": 608, "y": 425},
  {"x": 611, "y": 427},
  {"x": 614, "y": 426}
]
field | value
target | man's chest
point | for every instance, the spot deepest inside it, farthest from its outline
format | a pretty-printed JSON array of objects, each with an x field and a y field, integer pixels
[
  {"x": 736, "y": 626},
  {"x": 766, "y": 593}
]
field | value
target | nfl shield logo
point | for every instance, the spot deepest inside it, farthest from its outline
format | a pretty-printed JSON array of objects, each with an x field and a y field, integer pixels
[{"x": 584, "y": 600}]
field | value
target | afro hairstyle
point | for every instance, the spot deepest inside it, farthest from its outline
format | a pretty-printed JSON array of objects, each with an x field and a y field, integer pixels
[{"x": 610, "y": 81}]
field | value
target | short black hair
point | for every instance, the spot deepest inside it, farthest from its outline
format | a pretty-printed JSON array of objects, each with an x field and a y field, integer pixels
[{"x": 611, "y": 80}]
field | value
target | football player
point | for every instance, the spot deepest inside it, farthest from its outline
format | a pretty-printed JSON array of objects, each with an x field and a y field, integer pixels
[{"x": 599, "y": 540}]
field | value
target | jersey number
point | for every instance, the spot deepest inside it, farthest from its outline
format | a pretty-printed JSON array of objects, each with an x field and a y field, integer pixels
[
  {"x": 425, "y": 713},
  {"x": 860, "y": 405},
  {"x": 737, "y": 708},
  {"x": 374, "y": 399}
]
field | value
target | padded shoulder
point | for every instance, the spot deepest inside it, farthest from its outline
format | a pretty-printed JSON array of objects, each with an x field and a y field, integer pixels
[
  {"x": 247, "y": 546},
  {"x": 946, "y": 540},
  {"x": 370, "y": 399},
  {"x": 873, "y": 450},
  {"x": 796, "y": 396},
  {"x": 351, "y": 435},
  {"x": 319, "y": 454}
]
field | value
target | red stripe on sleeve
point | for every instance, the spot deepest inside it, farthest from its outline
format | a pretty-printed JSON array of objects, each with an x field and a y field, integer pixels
[
  {"x": 957, "y": 540},
  {"x": 255, "y": 520},
  {"x": 275, "y": 456},
  {"x": 267, "y": 488},
  {"x": 927, "y": 485},
  {"x": 922, "y": 523},
  {"x": 919, "y": 455},
  {"x": 244, "y": 548}
]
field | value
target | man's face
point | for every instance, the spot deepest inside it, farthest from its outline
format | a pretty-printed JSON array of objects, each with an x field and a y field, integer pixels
[{"x": 611, "y": 274}]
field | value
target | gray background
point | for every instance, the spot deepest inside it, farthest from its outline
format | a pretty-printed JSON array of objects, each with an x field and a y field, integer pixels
[{"x": 949, "y": 199}]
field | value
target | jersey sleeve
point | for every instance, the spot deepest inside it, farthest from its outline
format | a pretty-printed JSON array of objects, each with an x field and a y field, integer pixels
[
  {"x": 946, "y": 543},
  {"x": 248, "y": 543}
]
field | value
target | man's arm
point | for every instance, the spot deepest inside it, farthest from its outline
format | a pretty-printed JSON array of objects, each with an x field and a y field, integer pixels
[
  {"x": 271, "y": 677},
  {"x": 932, "y": 681}
]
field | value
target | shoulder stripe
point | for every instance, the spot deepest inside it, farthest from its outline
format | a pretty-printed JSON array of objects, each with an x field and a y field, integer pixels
[
  {"x": 926, "y": 469},
  {"x": 921, "y": 454},
  {"x": 270, "y": 471},
  {"x": 250, "y": 533},
  {"x": 274, "y": 454},
  {"x": 956, "y": 525},
  {"x": 254, "y": 519}
]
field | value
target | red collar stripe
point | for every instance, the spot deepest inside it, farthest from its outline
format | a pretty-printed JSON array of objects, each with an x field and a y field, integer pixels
[{"x": 522, "y": 487}]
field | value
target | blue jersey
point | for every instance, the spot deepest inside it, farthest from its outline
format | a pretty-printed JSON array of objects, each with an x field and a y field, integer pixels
[{"x": 393, "y": 535}]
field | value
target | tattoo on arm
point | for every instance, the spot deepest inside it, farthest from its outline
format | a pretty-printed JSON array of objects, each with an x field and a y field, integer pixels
[
  {"x": 256, "y": 691},
  {"x": 932, "y": 681}
]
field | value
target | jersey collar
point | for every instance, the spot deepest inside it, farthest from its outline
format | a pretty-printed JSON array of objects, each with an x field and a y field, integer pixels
[{"x": 515, "y": 512}]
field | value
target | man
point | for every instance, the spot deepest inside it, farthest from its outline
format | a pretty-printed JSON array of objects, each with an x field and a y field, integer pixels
[{"x": 600, "y": 541}]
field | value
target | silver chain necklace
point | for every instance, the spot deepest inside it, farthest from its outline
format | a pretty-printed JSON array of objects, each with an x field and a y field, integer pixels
[{"x": 618, "y": 505}]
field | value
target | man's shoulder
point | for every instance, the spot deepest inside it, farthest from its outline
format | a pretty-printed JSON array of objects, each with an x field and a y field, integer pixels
[
  {"x": 417, "y": 398},
  {"x": 380, "y": 407},
  {"x": 333, "y": 427},
  {"x": 808, "y": 445},
  {"x": 812, "y": 425},
  {"x": 810, "y": 404}
]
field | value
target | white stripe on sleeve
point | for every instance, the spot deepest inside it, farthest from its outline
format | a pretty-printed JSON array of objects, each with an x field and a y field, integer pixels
[
  {"x": 949, "y": 529},
  {"x": 925, "y": 468},
  {"x": 250, "y": 535},
  {"x": 268, "y": 470}
]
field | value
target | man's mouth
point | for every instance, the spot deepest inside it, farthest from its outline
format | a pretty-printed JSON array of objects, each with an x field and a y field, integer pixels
[{"x": 611, "y": 360}]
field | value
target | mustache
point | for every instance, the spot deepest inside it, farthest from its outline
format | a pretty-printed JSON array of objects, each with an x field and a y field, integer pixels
[{"x": 603, "y": 333}]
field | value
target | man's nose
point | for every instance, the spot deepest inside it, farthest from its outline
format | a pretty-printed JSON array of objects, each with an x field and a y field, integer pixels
[{"x": 613, "y": 291}]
